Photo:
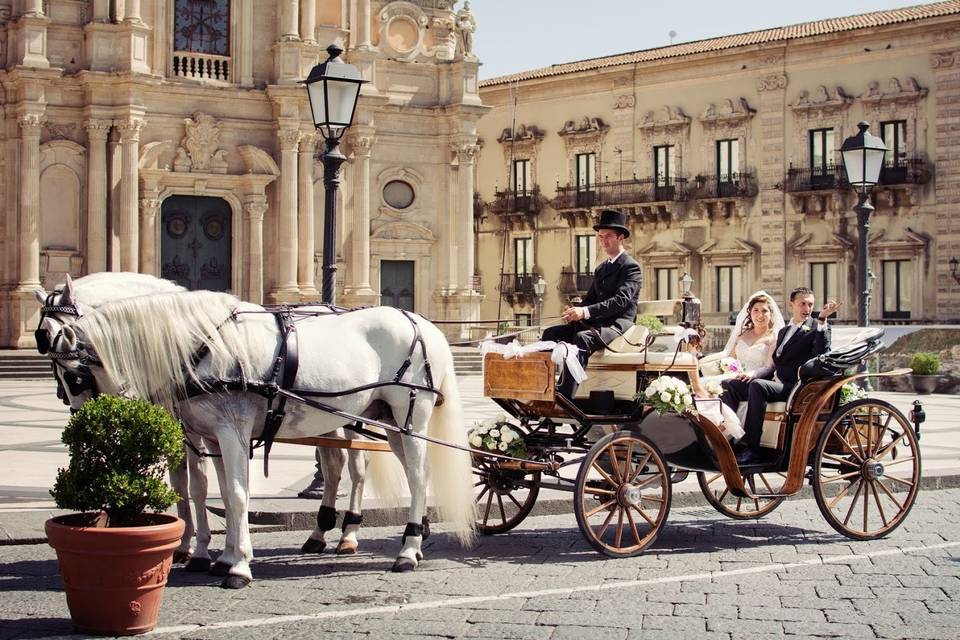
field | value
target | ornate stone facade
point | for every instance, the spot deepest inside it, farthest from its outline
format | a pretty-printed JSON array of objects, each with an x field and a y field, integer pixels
[
  {"x": 98, "y": 154},
  {"x": 748, "y": 202}
]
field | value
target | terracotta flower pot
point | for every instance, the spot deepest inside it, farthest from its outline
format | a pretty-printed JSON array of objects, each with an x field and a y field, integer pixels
[{"x": 114, "y": 577}]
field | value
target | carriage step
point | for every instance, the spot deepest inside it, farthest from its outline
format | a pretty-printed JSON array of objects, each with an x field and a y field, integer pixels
[{"x": 23, "y": 365}]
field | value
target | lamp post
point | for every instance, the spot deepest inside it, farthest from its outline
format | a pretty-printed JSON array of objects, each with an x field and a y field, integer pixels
[
  {"x": 863, "y": 158},
  {"x": 539, "y": 288},
  {"x": 333, "y": 88}
]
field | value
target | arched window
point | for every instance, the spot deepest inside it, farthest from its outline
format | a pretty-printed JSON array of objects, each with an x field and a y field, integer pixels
[{"x": 202, "y": 26}]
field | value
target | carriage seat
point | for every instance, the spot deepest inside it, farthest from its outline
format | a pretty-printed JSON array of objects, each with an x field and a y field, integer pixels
[{"x": 628, "y": 349}]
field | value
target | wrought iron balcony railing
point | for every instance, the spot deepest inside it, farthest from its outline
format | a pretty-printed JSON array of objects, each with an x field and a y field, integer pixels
[
  {"x": 621, "y": 192},
  {"x": 825, "y": 178},
  {"x": 735, "y": 185},
  {"x": 573, "y": 283},
  {"x": 518, "y": 287},
  {"x": 905, "y": 171},
  {"x": 509, "y": 201}
]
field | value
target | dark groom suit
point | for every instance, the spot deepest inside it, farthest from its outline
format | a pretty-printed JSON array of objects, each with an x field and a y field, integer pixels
[
  {"x": 611, "y": 303},
  {"x": 774, "y": 383}
]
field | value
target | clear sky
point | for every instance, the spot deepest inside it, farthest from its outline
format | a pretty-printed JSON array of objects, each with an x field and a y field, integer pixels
[{"x": 517, "y": 35}]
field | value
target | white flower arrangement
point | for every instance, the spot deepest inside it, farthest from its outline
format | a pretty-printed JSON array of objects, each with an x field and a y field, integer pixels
[
  {"x": 730, "y": 365},
  {"x": 852, "y": 391},
  {"x": 497, "y": 436},
  {"x": 805, "y": 328},
  {"x": 667, "y": 394}
]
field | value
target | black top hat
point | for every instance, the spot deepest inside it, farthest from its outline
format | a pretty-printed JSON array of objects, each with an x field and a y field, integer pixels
[{"x": 612, "y": 219}]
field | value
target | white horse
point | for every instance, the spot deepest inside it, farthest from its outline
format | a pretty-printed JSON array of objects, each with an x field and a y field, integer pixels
[
  {"x": 149, "y": 344},
  {"x": 189, "y": 479}
]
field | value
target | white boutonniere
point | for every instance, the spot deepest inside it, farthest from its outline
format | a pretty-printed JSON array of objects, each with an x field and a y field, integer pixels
[{"x": 805, "y": 328}]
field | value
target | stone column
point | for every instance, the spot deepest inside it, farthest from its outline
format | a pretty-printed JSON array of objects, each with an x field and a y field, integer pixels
[
  {"x": 30, "y": 126},
  {"x": 253, "y": 211},
  {"x": 97, "y": 131},
  {"x": 129, "y": 221},
  {"x": 358, "y": 281},
  {"x": 101, "y": 10},
  {"x": 285, "y": 287},
  {"x": 33, "y": 8},
  {"x": 132, "y": 12},
  {"x": 308, "y": 21},
  {"x": 946, "y": 77},
  {"x": 772, "y": 90},
  {"x": 305, "y": 218},
  {"x": 463, "y": 223},
  {"x": 363, "y": 24},
  {"x": 149, "y": 208},
  {"x": 289, "y": 20}
]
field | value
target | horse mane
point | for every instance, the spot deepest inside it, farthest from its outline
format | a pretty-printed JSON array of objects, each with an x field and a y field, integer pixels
[
  {"x": 102, "y": 287},
  {"x": 150, "y": 342}
]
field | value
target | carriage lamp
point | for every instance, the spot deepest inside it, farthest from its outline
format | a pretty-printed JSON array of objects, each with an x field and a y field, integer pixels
[
  {"x": 539, "y": 288},
  {"x": 686, "y": 283},
  {"x": 862, "y": 159},
  {"x": 917, "y": 416},
  {"x": 954, "y": 266},
  {"x": 332, "y": 88}
]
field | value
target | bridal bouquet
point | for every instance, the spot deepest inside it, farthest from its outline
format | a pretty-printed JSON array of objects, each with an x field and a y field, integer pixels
[
  {"x": 730, "y": 365},
  {"x": 497, "y": 436},
  {"x": 850, "y": 392},
  {"x": 667, "y": 394}
]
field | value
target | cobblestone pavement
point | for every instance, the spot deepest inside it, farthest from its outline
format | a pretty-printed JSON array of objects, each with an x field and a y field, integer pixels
[{"x": 706, "y": 577}]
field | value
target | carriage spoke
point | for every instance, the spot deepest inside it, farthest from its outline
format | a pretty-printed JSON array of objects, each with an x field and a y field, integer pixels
[
  {"x": 723, "y": 495},
  {"x": 840, "y": 495},
  {"x": 640, "y": 467},
  {"x": 846, "y": 445},
  {"x": 650, "y": 498},
  {"x": 900, "y": 480},
  {"x": 887, "y": 449},
  {"x": 890, "y": 495},
  {"x": 866, "y": 505},
  {"x": 617, "y": 539},
  {"x": 856, "y": 436},
  {"x": 503, "y": 513},
  {"x": 606, "y": 523},
  {"x": 633, "y": 528},
  {"x": 876, "y": 498},
  {"x": 627, "y": 462},
  {"x": 853, "y": 503},
  {"x": 597, "y": 491},
  {"x": 900, "y": 461},
  {"x": 486, "y": 512},
  {"x": 841, "y": 477},
  {"x": 739, "y": 502},
  {"x": 646, "y": 482},
  {"x": 840, "y": 460},
  {"x": 645, "y": 516},
  {"x": 765, "y": 483},
  {"x": 514, "y": 501},
  {"x": 869, "y": 431},
  {"x": 714, "y": 479},
  {"x": 603, "y": 473},
  {"x": 596, "y": 510}
]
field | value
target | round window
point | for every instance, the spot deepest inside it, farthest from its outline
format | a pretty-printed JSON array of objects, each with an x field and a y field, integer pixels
[{"x": 398, "y": 194}]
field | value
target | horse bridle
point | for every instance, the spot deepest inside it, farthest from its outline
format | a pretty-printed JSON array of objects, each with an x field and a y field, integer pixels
[{"x": 78, "y": 379}]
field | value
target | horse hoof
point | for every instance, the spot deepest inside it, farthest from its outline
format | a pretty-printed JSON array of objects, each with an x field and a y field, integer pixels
[
  {"x": 179, "y": 557},
  {"x": 346, "y": 548},
  {"x": 235, "y": 582},
  {"x": 313, "y": 546},
  {"x": 403, "y": 565},
  {"x": 220, "y": 569},
  {"x": 197, "y": 565}
]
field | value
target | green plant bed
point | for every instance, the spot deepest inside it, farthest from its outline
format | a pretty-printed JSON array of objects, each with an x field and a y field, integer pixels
[
  {"x": 925, "y": 364},
  {"x": 926, "y": 340}
]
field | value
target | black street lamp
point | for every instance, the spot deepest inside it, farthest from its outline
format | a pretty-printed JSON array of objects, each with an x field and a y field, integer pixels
[
  {"x": 863, "y": 158},
  {"x": 333, "y": 88}
]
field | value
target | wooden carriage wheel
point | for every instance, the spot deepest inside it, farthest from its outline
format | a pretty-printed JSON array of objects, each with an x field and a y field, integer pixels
[
  {"x": 866, "y": 469},
  {"x": 622, "y": 495},
  {"x": 715, "y": 490},
  {"x": 504, "y": 497}
]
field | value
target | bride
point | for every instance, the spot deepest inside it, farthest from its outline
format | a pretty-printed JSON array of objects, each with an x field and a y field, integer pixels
[{"x": 751, "y": 345}]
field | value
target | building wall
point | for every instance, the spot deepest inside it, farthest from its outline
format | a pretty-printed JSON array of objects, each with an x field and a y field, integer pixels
[
  {"x": 103, "y": 122},
  {"x": 768, "y": 97}
]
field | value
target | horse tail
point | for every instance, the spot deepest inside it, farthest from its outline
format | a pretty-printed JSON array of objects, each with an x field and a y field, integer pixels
[
  {"x": 450, "y": 469},
  {"x": 386, "y": 479}
]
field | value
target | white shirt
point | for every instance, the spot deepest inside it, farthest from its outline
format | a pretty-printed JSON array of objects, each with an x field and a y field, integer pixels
[{"x": 586, "y": 312}]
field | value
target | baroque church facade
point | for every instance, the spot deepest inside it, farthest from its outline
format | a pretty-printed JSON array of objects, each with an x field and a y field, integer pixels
[
  {"x": 724, "y": 153},
  {"x": 174, "y": 137}
]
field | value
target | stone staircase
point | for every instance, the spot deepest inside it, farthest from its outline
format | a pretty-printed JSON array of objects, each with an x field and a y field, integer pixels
[
  {"x": 467, "y": 361},
  {"x": 23, "y": 364}
]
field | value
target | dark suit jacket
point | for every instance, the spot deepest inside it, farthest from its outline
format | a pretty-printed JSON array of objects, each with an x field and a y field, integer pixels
[
  {"x": 612, "y": 298},
  {"x": 803, "y": 345}
]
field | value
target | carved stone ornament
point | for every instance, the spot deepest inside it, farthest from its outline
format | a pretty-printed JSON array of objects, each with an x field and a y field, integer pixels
[
  {"x": 666, "y": 119},
  {"x": 945, "y": 60},
  {"x": 821, "y": 102},
  {"x": 63, "y": 131},
  {"x": 584, "y": 125},
  {"x": 894, "y": 93},
  {"x": 523, "y": 133},
  {"x": 729, "y": 113},
  {"x": 772, "y": 82},
  {"x": 402, "y": 28},
  {"x": 625, "y": 102},
  {"x": 198, "y": 150}
]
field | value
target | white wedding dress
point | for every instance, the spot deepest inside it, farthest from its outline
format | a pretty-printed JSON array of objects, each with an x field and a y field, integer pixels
[{"x": 751, "y": 357}]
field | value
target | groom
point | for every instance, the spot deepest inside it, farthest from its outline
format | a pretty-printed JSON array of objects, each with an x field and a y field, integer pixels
[{"x": 803, "y": 338}]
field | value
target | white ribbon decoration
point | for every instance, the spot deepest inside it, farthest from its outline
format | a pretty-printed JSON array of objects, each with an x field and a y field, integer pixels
[{"x": 562, "y": 353}]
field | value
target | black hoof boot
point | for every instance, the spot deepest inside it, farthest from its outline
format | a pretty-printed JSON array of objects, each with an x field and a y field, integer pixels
[
  {"x": 197, "y": 565},
  {"x": 313, "y": 546},
  {"x": 179, "y": 557},
  {"x": 235, "y": 582},
  {"x": 403, "y": 565},
  {"x": 425, "y": 523},
  {"x": 220, "y": 569}
]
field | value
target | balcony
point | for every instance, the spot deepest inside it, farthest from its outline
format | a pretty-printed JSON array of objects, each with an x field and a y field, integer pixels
[
  {"x": 827, "y": 178},
  {"x": 517, "y": 208},
  {"x": 905, "y": 171},
  {"x": 517, "y": 288},
  {"x": 736, "y": 185},
  {"x": 201, "y": 66},
  {"x": 573, "y": 284}
]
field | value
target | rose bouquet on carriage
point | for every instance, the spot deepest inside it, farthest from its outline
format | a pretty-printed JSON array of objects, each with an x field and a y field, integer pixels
[
  {"x": 668, "y": 394},
  {"x": 498, "y": 436}
]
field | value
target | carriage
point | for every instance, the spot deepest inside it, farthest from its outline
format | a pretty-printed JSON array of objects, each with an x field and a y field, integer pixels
[{"x": 620, "y": 458}]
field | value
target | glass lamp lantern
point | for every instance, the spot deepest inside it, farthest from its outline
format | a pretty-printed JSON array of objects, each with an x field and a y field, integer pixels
[
  {"x": 333, "y": 88},
  {"x": 863, "y": 155}
]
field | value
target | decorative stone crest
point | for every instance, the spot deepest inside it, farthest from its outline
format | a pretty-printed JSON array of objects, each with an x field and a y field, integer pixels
[
  {"x": 63, "y": 131},
  {"x": 821, "y": 102},
  {"x": 772, "y": 82},
  {"x": 585, "y": 125},
  {"x": 625, "y": 102},
  {"x": 198, "y": 150},
  {"x": 945, "y": 60},
  {"x": 895, "y": 93},
  {"x": 729, "y": 113},
  {"x": 666, "y": 119},
  {"x": 523, "y": 133}
]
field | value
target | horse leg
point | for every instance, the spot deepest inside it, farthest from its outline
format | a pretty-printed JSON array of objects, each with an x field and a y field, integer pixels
[
  {"x": 331, "y": 464},
  {"x": 180, "y": 483},
  {"x": 235, "y": 487},
  {"x": 415, "y": 466},
  {"x": 353, "y": 517},
  {"x": 197, "y": 466}
]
